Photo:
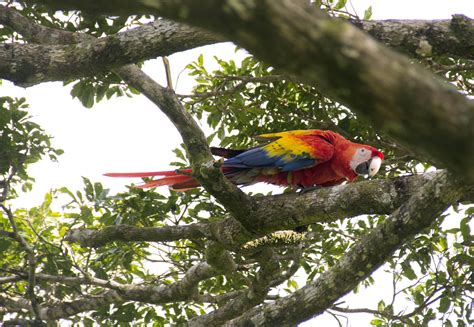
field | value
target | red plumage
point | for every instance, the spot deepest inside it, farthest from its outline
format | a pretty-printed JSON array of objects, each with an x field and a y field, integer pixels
[{"x": 302, "y": 158}]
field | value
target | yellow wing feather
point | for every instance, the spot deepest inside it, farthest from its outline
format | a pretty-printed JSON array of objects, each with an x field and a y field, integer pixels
[{"x": 287, "y": 144}]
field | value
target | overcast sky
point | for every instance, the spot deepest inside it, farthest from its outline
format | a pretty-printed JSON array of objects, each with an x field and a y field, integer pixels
[{"x": 132, "y": 135}]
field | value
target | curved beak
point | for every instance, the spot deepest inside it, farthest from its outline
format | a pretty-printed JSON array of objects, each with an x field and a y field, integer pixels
[
  {"x": 369, "y": 167},
  {"x": 374, "y": 166}
]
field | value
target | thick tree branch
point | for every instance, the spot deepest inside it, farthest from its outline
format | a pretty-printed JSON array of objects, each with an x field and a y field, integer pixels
[
  {"x": 182, "y": 290},
  {"x": 36, "y": 33},
  {"x": 219, "y": 258},
  {"x": 269, "y": 275},
  {"x": 414, "y": 37},
  {"x": 447, "y": 37},
  {"x": 407, "y": 101},
  {"x": 421, "y": 38},
  {"x": 281, "y": 212},
  {"x": 9, "y": 279},
  {"x": 126, "y": 233},
  {"x": 422, "y": 209},
  {"x": 67, "y": 309},
  {"x": 14, "y": 304},
  {"x": 63, "y": 58},
  {"x": 254, "y": 295}
]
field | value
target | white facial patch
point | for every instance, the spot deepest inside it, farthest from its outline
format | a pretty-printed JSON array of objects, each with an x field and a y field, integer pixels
[
  {"x": 359, "y": 157},
  {"x": 374, "y": 166}
]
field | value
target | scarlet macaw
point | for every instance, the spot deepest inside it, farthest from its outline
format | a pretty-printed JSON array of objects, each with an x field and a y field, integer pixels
[{"x": 301, "y": 158}]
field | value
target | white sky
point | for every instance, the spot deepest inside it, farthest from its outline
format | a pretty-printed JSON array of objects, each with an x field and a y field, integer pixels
[{"x": 133, "y": 135}]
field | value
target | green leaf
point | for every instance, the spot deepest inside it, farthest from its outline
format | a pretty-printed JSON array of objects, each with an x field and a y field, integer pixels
[
  {"x": 376, "y": 322},
  {"x": 444, "y": 304},
  {"x": 345, "y": 123},
  {"x": 465, "y": 229},
  {"x": 87, "y": 98},
  {"x": 340, "y": 4},
  {"x": 100, "y": 92},
  {"x": 408, "y": 271},
  {"x": 470, "y": 211},
  {"x": 368, "y": 13},
  {"x": 381, "y": 305},
  {"x": 441, "y": 245},
  {"x": 4, "y": 244}
]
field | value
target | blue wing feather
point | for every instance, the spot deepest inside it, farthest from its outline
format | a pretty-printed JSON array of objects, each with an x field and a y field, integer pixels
[
  {"x": 298, "y": 164},
  {"x": 258, "y": 157}
]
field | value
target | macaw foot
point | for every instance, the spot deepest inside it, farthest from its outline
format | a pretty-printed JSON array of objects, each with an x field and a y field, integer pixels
[{"x": 307, "y": 189}]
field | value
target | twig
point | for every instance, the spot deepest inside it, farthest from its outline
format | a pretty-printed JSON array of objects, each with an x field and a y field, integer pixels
[
  {"x": 336, "y": 316},
  {"x": 9, "y": 279},
  {"x": 469, "y": 65},
  {"x": 366, "y": 310},
  {"x": 169, "y": 81},
  {"x": 403, "y": 318},
  {"x": 244, "y": 80}
]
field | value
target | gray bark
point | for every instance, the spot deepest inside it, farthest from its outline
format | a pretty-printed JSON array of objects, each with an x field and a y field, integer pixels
[
  {"x": 273, "y": 213},
  {"x": 65, "y": 55},
  {"x": 421, "y": 38},
  {"x": 182, "y": 290}
]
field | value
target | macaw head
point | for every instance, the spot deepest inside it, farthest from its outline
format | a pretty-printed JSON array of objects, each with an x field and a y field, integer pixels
[{"x": 366, "y": 160}]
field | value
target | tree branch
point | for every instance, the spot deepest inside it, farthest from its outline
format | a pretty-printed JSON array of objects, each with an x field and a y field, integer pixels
[
  {"x": 9, "y": 279},
  {"x": 37, "y": 33},
  {"x": 269, "y": 275},
  {"x": 446, "y": 37},
  {"x": 67, "y": 309},
  {"x": 64, "y": 59},
  {"x": 117, "y": 293},
  {"x": 125, "y": 233},
  {"x": 281, "y": 212},
  {"x": 421, "y": 38},
  {"x": 400, "y": 317}
]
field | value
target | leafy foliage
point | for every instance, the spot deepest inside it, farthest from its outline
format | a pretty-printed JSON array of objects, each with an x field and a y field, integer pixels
[
  {"x": 91, "y": 90},
  {"x": 22, "y": 142}
]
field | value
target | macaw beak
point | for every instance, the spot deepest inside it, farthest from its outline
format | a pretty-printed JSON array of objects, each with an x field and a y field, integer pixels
[
  {"x": 374, "y": 166},
  {"x": 369, "y": 167}
]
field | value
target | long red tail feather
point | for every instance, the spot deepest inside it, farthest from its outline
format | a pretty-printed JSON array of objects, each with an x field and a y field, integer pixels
[
  {"x": 149, "y": 173},
  {"x": 170, "y": 178},
  {"x": 185, "y": 185},
  {"x": 170, "y": 181}
]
